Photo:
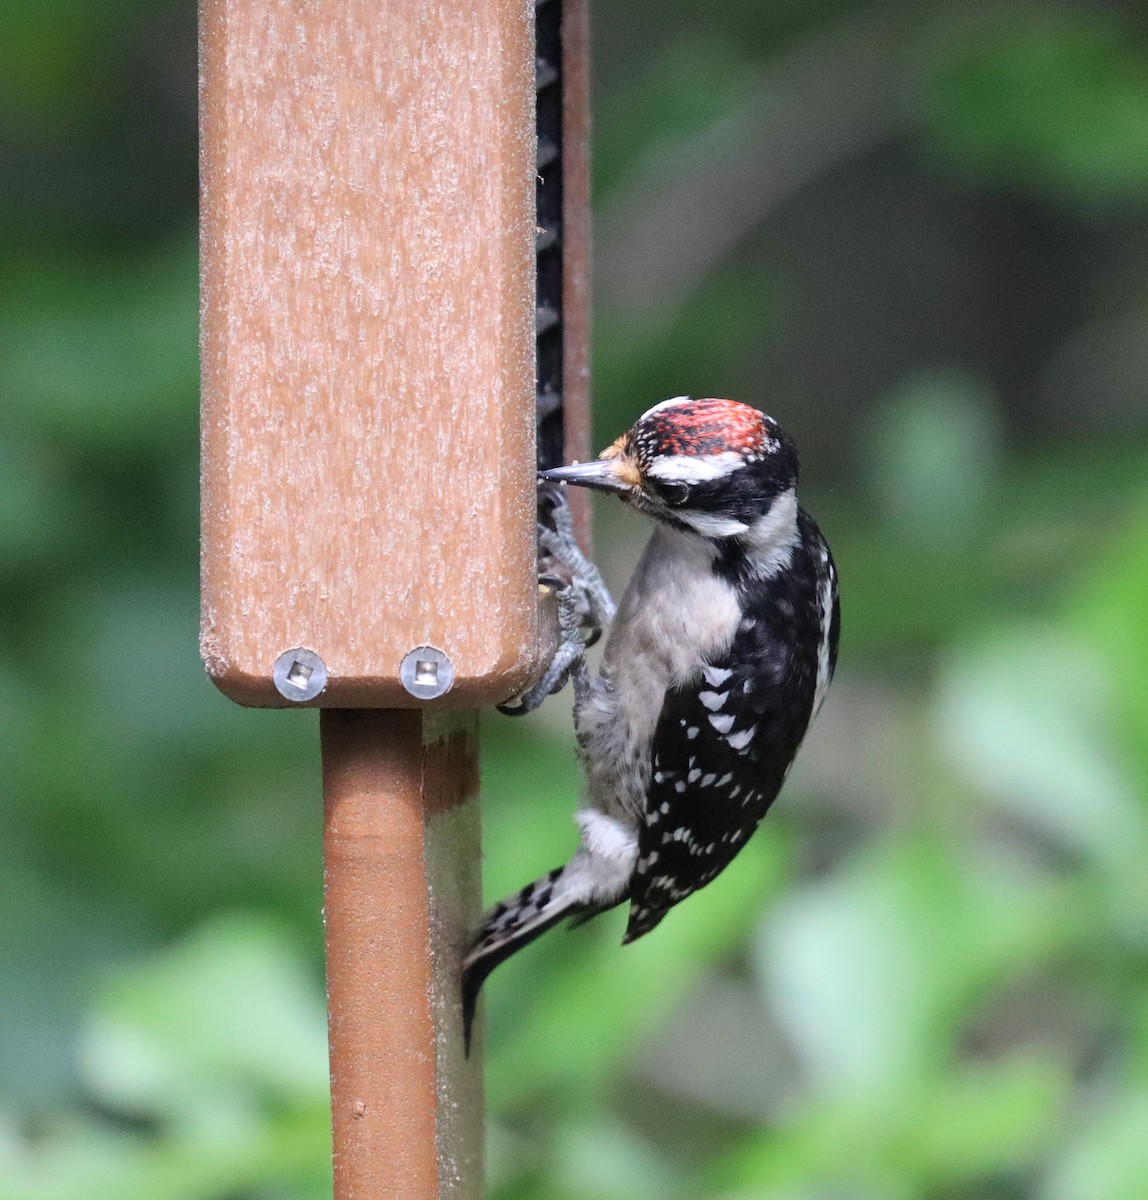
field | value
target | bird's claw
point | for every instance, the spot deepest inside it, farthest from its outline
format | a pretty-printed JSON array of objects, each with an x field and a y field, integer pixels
[
  {"x": 558, "y": 543},
  {"x": 584, "y": 605}
]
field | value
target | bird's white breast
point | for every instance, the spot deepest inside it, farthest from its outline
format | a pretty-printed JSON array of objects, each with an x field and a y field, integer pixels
[{"x": 674, "y": 615}]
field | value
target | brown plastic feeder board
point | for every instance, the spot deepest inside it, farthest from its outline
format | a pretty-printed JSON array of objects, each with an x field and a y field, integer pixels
[{"x": 394, "y": 245}]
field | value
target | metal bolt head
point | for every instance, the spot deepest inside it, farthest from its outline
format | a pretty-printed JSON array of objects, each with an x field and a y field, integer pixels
[
  {"x": 299, "y": 674},
  {"x": 426, "y": 672}
]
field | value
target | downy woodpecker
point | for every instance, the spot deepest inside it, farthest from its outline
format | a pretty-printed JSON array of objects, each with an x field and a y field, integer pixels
[{"x": 720, "y": 655}]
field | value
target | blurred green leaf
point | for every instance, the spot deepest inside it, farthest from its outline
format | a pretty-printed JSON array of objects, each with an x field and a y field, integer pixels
[
  {"x": 697, "y": 353},
  {"x": 934, "y": 456},
  {"x": 54, "y": 946},
  {"x": 1108, "y": 609},
  {"x": 216, "y": 1051},
  {"x": 601, "y": 1161},
  {"x": 137, "y": 664},
  {"x": 285, "y": 1158},
  {"x": 870, "y": 971},
  {"x": 1055, "y": 102},
  {"x": 1027, "y": 715},
  {"x": 104, "y": 356},
  {"x": 684, "y": 90},
  {"x": 228, "y": 1013},
  {"x": 44, "y": 48},
  {"x": 1107, "y": 1157},
  {"x": 988, "y": 1119},
  {"x": 38, "y": 514}
]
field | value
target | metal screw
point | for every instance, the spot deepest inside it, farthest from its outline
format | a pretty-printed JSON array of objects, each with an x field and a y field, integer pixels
[
  {"x": 426, "y": 672},
  {"x": 299, "y": 674}
]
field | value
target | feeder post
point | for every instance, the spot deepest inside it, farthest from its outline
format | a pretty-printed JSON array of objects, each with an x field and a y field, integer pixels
[{"x": 372, "y": 333}]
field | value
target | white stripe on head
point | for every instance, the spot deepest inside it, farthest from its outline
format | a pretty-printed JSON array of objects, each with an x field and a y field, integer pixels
[
  {"x": 710, "y": 524},
  {"x": 771, "y": 538},
  {"x": 664, "y": 404},
  {"x": 769, "y": 541},
  {"x": 694, "y": 468}
]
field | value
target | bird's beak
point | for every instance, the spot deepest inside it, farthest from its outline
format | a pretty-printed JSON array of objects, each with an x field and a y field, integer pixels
[{"x": 603, "y": 475}]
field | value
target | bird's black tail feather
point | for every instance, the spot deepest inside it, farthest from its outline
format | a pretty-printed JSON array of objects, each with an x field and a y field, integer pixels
[
  {"x": 510, "y": 925},
  {"x": 572, "y": 892}
]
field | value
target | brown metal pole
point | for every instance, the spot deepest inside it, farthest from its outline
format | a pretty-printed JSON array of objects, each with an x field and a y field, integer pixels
[
  {"x": 368, "y": 237},
  {"x": 401, "y": 889}
]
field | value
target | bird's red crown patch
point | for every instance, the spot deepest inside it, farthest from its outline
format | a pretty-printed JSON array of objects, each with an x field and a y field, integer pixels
[{"x": 694, "y": 428}]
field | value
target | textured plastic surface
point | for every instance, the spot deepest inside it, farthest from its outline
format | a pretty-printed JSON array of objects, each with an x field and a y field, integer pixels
[{"x": 368, "y": 344}]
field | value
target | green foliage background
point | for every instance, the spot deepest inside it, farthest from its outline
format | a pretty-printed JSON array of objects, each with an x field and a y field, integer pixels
[{"x": 916, "y": 234}]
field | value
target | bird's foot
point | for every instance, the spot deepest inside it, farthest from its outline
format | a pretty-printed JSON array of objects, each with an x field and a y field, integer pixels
[
  {"x": 584, "y": 606},
  {"x": 561, "y": 554}
]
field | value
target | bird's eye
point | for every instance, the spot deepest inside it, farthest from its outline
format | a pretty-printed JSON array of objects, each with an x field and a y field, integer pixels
[{"x": 674, "y": 494}]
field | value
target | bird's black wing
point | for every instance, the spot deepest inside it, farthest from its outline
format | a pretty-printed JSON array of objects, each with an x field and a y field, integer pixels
[{"x": 723, "y": 745}]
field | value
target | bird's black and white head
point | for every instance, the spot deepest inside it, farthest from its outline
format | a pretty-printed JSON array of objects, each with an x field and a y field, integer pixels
[{"x": 715, "y": 468}]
